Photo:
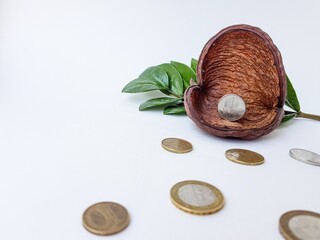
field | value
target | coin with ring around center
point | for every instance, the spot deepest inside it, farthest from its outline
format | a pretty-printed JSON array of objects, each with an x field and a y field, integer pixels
[
  {"x": 231, "y": 107},
  {"x": 176, "y": 145},
  {"x": 197, "y": 197},
  {"x": 297, "y": 225},
  {"x": 244, "y": 156},
  {"x": 105, "y": 218}
]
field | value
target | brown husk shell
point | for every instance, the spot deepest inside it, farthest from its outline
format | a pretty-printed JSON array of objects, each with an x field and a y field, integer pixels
[{"x": 243, "y": 60}]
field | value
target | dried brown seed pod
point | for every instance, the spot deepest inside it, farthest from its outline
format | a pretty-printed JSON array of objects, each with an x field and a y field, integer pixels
[{"x": 242, "y": 60}]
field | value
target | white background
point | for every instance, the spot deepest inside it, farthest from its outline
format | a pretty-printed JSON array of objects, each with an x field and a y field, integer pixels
[{"x": 69, "y": 138}]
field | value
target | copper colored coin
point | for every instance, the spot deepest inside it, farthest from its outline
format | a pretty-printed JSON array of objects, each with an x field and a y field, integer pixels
[
  {"x": 105, "y": 218},
  {"x": 176, "y": 145},
  {"x": 300, "y": 225},
  {"x": 244, "y": 156}
]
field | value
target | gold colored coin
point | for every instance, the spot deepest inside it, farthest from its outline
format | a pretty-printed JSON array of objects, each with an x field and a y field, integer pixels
[
  {"x": 176, "y": 145},
  {"x": 297, "y": 225},
  {"x": 197, "y": 197},
  {"x": 244, "y": 156},
  {"x": 105, "y": 218}
]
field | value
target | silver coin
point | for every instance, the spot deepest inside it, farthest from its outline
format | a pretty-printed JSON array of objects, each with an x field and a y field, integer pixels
[
  {"x": 231, "y": 107},
  {"x": 305, "y": 227},
  {"x": 196, "y": 195},
  {"x": 305, "y": 156}
]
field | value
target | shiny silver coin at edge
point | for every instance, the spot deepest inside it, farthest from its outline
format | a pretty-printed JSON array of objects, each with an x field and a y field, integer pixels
[
  {"x": 231, "y": 107},
  {"x": 305, "y": 156}
]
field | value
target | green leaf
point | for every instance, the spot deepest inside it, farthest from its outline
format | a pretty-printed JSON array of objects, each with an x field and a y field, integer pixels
[
  {"x": 175, "y": 79},
  {"x": 158, "y": 102},
  {"x": 288, "y": 116},
  {"x": 292, "y": 99},
  {"x": 156, "y": 74},
  {"x": 186, "y": 73},
  {"x": 175, "y": 109},
  {"x": 194, "y": 64},
  {"x": 142, "y": 85}
]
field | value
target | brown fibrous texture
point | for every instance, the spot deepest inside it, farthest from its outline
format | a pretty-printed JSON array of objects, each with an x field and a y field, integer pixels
[{"x": 242, "y": 60}]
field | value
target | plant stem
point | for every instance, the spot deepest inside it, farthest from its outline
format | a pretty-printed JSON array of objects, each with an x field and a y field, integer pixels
[
  {"x": 307, "y": 115},
  {"x": 171, "y": 94}
]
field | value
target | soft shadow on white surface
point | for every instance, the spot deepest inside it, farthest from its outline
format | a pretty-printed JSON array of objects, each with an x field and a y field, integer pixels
[{"x": 70, "y": 138}]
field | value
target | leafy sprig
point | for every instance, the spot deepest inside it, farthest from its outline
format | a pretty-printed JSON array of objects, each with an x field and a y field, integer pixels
[{"x": 173, "y": 78}]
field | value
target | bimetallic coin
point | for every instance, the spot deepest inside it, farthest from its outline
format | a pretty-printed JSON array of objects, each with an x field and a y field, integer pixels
[
  {"x": 196, "y": 197},
  {"x": 231, "y": 107},
  {"x": 300, "y": 225},
  {"x": 305, "y": 156},
  {"x": 176, "y": 145},
  {"x": 105, "y": 218},
  {"x": 244, "y": 156}
]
